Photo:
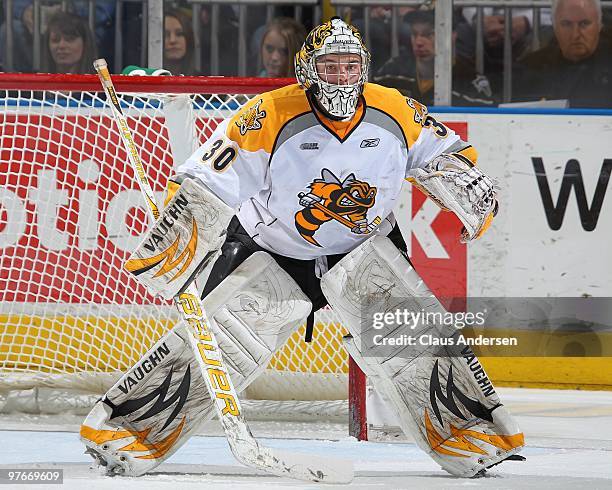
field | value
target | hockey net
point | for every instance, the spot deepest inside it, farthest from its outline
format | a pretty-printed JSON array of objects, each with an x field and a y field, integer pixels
[{"x": 71, "y": 320}]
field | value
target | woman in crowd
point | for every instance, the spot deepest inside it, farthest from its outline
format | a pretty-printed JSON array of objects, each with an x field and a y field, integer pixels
[
  {"x": 178, "y": 43},
  {"x": 69, "y": 45},
  {"x": 282, "y": 38}
]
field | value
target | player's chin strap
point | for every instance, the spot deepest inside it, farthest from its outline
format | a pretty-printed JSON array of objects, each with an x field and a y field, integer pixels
[{"x": 441, "y": 395}]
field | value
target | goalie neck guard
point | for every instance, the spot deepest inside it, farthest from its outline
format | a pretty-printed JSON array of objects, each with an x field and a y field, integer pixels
[{"x": 336, "y": 98}]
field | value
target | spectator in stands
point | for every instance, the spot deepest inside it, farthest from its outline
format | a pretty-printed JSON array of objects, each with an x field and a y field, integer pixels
[
  {"x": 380, "y": 32},
  {"x": 493, "y": 24},
  {"x": 178, "y": 43},
  {"x": 23, "y": 41},
  {"x": 412, "y": 73},
  {"x": 576, "y": 65},
  {"x": 493, "y": 34},
  {"x": 68, "y": 45},
  {"x": 227, "y": 39},
  {"x": 23, "y": 25},
  {"x": 282, "y": 38}
]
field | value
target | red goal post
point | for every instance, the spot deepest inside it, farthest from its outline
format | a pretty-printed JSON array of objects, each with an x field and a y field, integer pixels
[{"x": 70, "y": 212}]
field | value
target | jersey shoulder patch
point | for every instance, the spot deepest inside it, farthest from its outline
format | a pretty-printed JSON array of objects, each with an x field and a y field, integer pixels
[{"x": 255, "y": 126}]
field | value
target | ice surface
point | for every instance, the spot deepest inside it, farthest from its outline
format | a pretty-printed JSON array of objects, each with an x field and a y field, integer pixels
[{"x": 569, "y": 437}]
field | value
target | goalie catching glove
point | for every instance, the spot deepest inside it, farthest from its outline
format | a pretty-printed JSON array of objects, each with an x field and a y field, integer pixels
[
  {"x": 188, "y": 234},
  {"x": 455, "y": 184}
]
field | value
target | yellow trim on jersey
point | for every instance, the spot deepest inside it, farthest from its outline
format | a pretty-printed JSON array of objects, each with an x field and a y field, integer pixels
[
  {"x": 256, "y": 126},
  {"x": 342, "y": 128},
  {"x": 470, "y": 153},
  {"x": 393, "y": 103}
]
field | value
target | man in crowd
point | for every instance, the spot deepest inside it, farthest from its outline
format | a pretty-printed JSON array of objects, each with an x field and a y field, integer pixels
[
  {"x": 576, "y": 65},
  {"x": 412, "y": 72}
]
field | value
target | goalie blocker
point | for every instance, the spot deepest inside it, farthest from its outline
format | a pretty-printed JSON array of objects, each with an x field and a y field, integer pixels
[
  {"x": 451, "y": 409},
  {"x": 186, "y": 237}
]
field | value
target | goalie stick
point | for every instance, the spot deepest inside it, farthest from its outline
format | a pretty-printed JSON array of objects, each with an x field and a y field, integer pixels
[{"x": 206, "y": 350}]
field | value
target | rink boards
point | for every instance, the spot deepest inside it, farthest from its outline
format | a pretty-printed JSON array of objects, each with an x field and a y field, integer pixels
[{"x": 550, "y": 238}]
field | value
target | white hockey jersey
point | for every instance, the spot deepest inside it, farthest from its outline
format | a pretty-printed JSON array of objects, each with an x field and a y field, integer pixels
[{"x": 304, "y": 186}]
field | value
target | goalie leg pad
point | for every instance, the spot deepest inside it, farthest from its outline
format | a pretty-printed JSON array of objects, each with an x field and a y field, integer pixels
[
  {"x": 442, "y": 396},
  {"x": 158, "y": 404},
  {"x": 189, "y": 231}
]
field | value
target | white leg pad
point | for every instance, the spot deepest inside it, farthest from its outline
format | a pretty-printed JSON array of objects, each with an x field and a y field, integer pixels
[
  {"x": 442, "y": 396},
  {"x": 158, "y": 404}
]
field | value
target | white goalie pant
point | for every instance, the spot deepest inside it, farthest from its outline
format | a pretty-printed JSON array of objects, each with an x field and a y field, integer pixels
[
  {"x": 441, "y": 395},
  {"x": 158, "y": 404}
]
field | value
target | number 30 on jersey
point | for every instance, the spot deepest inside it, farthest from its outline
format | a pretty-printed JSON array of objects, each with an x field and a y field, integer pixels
[{"x": 219, "y": 156}]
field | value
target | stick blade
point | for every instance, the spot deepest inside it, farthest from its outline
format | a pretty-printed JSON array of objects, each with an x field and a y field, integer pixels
[{"x": 300, "y": 466}]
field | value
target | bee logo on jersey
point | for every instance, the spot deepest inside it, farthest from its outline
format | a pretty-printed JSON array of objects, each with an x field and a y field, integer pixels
[
  {"x": 250, "y": 120},
  {"x": 346, "y": 202}
]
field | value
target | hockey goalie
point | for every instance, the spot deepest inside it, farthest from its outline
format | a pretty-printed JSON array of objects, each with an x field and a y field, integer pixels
[{"x": 288, "y": 207}]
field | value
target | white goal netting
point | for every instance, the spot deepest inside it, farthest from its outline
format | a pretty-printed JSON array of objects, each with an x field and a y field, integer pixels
[{"x": 70, "y": 213}]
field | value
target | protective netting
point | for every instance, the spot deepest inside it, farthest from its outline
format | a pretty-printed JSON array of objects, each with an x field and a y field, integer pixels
[{"x": 70, "y": 213}]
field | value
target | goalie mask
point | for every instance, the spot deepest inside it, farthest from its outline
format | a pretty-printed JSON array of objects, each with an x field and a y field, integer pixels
[{"x": 333, "y": 67}]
